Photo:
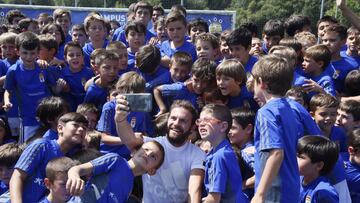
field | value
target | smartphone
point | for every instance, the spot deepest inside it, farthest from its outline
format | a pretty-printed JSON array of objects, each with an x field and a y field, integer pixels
[{"x": 139, "y": 102}]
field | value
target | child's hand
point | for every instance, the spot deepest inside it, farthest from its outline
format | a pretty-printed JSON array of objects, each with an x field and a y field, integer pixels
[
  {"x": 74, "y": 184},
  {"x": 56, "y": 62},
  {"x": 7, "y": 106},
  {"x": 61, "y": 85},
  {"x": 153, "y": 41},
  {"x": 312, "y": 86},
  {"x": 122, "y": 108},
  {"x": 42, "y": 63}
]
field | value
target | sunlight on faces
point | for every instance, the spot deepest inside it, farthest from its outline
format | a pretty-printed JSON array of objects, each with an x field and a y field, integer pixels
[
  {"x": 8, "y": 51},
  {"x": 353, "y": 42},
  {"x": 156, "y": 14},
  {"x": 210, "y": 127},
  {"x": 28, "y": 56},
  {"x": 96, "y": 31},
  {"x": 123, "y": 58},
  {"x": 224, "y": 50},
  {"x": 79, "y": 37},
  {"x": 238, "y": 135},
  {"x": 271, "y": 40},
  {"x": 148, "y": 157},
  {"x": 204, "y": 49},
  {"x": 322, "y": 27},
  {"x": 346, "y": 121},
  {"x": 227, "y": 85},
  {"x": 161, "y": 33},
  {"x": 256, "y": 48},
  {"x": 196, "y": 31},
  {"x": 108, "y": 70},
  {"x": 306, "y": 168},
  {"x": 75, "y": 59},
  {"x": 65, "y": 23},
  {"x": 179, "y": 125},
  {"x": 325, "y": 118},
  {"x": 310, "y": 66},
  {"x": 239, "y": 52},
  {"x": 178, "y": 72},
  {"x": 143, "y": 15},
  {"x": 199, "y": 85},
  {"x": 135, "y": 39},
  {"x": 58, "y": 187},
  {"x": 176, "y": 31},
  {"x": 72, "y": 131},
  {"x": 333, "y": 42}
]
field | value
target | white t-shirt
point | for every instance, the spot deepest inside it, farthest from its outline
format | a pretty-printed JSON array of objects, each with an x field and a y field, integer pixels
[{"x": 170, "y": 183}]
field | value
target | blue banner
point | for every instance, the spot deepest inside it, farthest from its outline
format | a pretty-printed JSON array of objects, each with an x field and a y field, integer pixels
[{"x": 217, "y": 20}]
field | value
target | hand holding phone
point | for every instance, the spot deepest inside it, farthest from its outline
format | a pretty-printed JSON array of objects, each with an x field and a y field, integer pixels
[{"x": 139, "y": 102}]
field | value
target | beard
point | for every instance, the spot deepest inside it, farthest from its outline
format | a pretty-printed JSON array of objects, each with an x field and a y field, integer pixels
[{"x": 180, "y": 139}]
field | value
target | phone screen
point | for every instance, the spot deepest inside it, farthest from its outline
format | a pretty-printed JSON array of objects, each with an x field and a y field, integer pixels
[{"x": 140, "y": 102}]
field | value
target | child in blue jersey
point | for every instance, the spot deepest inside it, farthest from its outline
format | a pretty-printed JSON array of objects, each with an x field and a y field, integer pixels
[
  {"x": 239, "y": 42},
  {"x": 91, "y": 114},
  {"x": 275, "y": 138},
  {"x": 95, "y": 29},
  {"x": 56, "y": 31},
  {"x": 241, "y": 135},
  {"x": 129, "y": 82},
  {"x": 121, "y": 50},
  {"x": 78, "y": 34},
  {"x": 74, "y": 75},
  {"x": 9, "y": 155},
  {"x": 18, "y": 80},
  {"x": 143, "y": 12},
  {"x": 108, "y": 63},
  {"x": 230, "y": 79},
  {"x": 323, "y": 109},
  {"x": 224, "y": 48},
  {"x": 135, "y": 35},
  {"x": 222, "y": 172},
  {"x": 116, "y": 172},
  {"x": 161, "y": 34},
  {"x": 316, "y": 61},
  {"x": 196, "y": 27},
  {"x": 335, "y": 38},
  {"x": 176, "y": 29},
  {"x": 48, "y": 49},
  {"x": 49, "y": 110},
  {"x": 180, "y": 66},
  {"x": 352, "y": 42},
  {"x": 207, "y": 46},
  {"x": 316, "y": 157},
  {"x": 26, "y": 184},
  {"x": 202, "y": 79},
  {"x": 348, "y": 115},
  {"x": 273, "y": 32},
  {"x": 352, "y": 166},
  {"x": 62, "y": 17},
  {"x": 55, "y": 180}
]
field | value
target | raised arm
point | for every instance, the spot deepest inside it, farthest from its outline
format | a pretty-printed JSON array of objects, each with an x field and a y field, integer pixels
[
  {"x": 348, "y": 13},
  {"x": 123, "y": 128},
  {"x": 195, "y": 185}
]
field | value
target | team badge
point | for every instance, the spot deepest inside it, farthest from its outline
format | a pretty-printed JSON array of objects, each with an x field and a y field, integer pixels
[
  {"x": 336, "y": 74},
  {"x": 133, "y": 122},
  {"x": 41, "y": 77}
]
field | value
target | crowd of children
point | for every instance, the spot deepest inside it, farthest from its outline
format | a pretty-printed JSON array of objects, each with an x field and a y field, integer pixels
[{"x": 235, "y": 117}]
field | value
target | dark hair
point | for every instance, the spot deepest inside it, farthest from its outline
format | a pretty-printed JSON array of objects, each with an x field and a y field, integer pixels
[
  {"x": 244, "y": 116},
  {"x": 339, "y": 29},
  {"x": 351, "y": 107},
  {"x": 79, "y": 27},
  {"x": 25, "y": 23},
  {"x": 273, "y": 28},
  {"x": 48, "y": 42},
  {"x": 186, "y": 105},
  {"x": 159, "y": 8},
  {"x": 148, "y": 58},
  {"x": 145, "y": 5},
  {"x": 296, "y": 23},
  {"x": 160, "y": 124},
  {"x": 204, "y": 69},
  {"x": 182, "y": 58},
  {"x": 252, "y": 27},
  {"x": 220, "y": 112},
  {"x": 296, "y": 91},
  {"x": 178, "y": 8},
  {"x": 319, "y": 52},
  {"x": 86, "y": 155},
  {"x": 198, "y": 22},
  {"x": 326, "y": 19},
  {"x": 46, "y": 29},
  {"x": 5, "y": 124},
  {"x": 352, "y": 83},
  {"x": 27, "y": 40},
  {"x": 323, "y": 101},
  {"x": 72, "y": 116},
  {"x": 10, "y": 154},
  {"x": 162, "y": 152},
  {"x": 49, "y": 109},
  {"x": 135, "y": 26},
  {"x": 353, "y": 139},
  {"x": 72, "y": 44},
  {"x": 319, "y": 149},
  {"x": 175, "y": 16},
  {"x": 291, "y": 42},
  {"x": 95, "y": 139},
  {"x": 12, "y": 14},
  {"x": 241, "y": 36}
]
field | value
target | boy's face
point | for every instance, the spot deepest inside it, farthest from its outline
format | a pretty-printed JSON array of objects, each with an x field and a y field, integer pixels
[
  {"x": 156, "y": 14},
  {"x": 135, "y": 39},
  {"x": 44, "y": 54},
  {"x": 325, "y": 118},
  {"x": 179, "y": 72},
  {"x": 58, "y": 187},
  {"x": 176, "y": 31},
  {"x": 271, "y": 40},
  {"x": 196, "y": 30},
  {"x": 333, "y": 42},
  {"x": 34, "y": 27},
  {"x": 352, "y": 42},
  {"x": 239, "y": 52},
  {"x": 8, "y": 51},
  {"x": 143, "y": 15},
  {"x": 75, "y": 58},
  {"x": 55, "y": 33},
  {"x": 210, "y": 127},
  {"x": 161, "y": 33},
  {"x": 79, "y": 37},
  {"x": 179, "y": 125},
  {"x": 28, "y": 56},
  {"x": 73, "y": 132},
  {"x": 204, "y": 49},
  {"x": 224, "y": 49},
  {"x": 310, "y": 66},
  {"x": 199, "y": 85},
  {"x": 42, "y": 21},
  {"x": 148, "y": 157},
  {"x": 322, "y": 27},
  {"x": 346, "y": 121},
  {"x": 5, "y": 174},
  {"x": 228, "y": 85},
  {"x": 259, "y": 90},
  {"x": 123, "y": 58},
  {"x": 306, "y": 168},
  {"x": 92, "y": 119},
  {"x": 256, "y": 48},
  {"x": 96, "y": 30},
  {"x": 65, "y": 23},
  {"x": 109, "y": 70},
  {"x": 237, "y": 134}
]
